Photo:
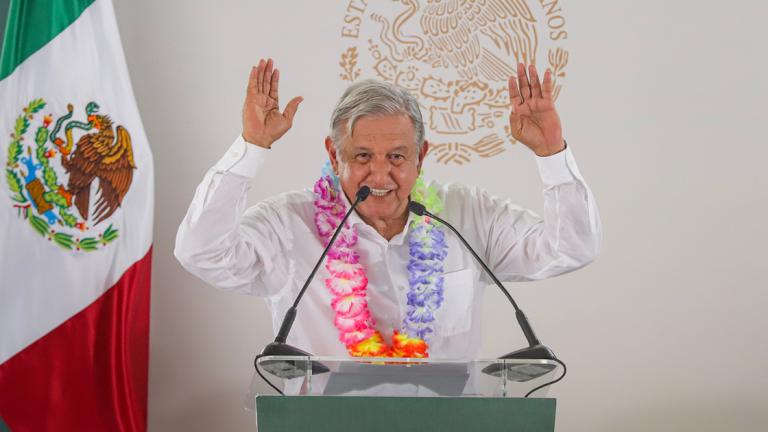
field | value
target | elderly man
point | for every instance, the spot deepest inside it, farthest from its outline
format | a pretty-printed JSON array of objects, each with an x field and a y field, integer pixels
[{"x": 393, "y": 284}]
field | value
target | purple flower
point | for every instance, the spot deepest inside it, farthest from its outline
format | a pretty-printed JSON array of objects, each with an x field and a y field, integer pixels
[
  {"x": 431, "y": 299},
  {"x": 420, "y": 315},
  {"x": 427, "y": 249}
]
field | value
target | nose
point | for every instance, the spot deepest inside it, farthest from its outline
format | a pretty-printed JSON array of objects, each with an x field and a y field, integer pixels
[{"x": 380, "y": 168}]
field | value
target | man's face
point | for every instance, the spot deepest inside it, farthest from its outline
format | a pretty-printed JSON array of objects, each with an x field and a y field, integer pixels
[{"x": 380, "y": 154}]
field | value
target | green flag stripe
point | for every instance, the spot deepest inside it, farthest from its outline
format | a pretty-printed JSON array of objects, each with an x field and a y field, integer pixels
[
  {"x": 3, "y": 15},
  {"x": 31, "y": 25}
]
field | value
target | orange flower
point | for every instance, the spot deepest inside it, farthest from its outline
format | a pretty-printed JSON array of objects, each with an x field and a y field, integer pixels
[
  {"x": 404, "y": 346},
  {"x": 374, "y": 346}
]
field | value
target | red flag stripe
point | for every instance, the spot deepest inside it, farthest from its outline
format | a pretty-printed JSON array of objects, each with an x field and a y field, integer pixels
[{"x": 90, "y": 372}]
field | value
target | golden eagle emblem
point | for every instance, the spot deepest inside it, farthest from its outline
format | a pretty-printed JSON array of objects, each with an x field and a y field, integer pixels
[
  {"x": 96, "y": 155},
  {"x": 455, "y": 56},
  {"x": 105, "y": 154}
]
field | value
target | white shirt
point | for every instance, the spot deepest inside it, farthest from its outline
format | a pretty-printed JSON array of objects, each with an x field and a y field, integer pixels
[{"x": 269, "y": 249}]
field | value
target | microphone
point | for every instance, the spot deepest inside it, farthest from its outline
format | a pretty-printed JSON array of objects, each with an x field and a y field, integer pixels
[
  {"x": 279, "y": 347},
  {"x": 535, "y": 349}
]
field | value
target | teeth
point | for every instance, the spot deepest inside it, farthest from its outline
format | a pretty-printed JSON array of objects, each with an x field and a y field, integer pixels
[{"x": 379, "y": 192}]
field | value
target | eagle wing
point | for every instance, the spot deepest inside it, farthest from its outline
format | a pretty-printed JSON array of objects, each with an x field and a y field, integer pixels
[
  {"x": 453, "y": 27},
  {"x": 115, "y": 173},
  {"x": 451, "y": 35},
  {"x": 111, "y": 160},
  {"x": 510, "y": 24},
  {"x": 81, "y": 174}
]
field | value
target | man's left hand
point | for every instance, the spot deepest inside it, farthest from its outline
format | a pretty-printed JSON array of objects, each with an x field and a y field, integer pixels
[{"x": 534, "y": 120}]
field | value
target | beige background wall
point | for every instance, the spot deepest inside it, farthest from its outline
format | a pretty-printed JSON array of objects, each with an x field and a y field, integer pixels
[{"x": 664, "y": 108}]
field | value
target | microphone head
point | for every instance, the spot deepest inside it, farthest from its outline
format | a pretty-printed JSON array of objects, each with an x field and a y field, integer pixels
[
  {"x": 416, "y": 208},
  {"x": 363, "y": 193}
]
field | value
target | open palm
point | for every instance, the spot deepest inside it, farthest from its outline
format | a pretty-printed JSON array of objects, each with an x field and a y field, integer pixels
[
  {"x": 263, "y": 123},
  {"x": 534, "y": 120}
]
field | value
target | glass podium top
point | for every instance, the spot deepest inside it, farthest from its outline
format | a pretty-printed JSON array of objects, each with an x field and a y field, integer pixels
[{"x": 370, "y": 376}]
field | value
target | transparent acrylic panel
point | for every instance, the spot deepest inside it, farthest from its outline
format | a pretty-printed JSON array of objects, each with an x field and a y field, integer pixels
[{"x": 326, "y": 376}]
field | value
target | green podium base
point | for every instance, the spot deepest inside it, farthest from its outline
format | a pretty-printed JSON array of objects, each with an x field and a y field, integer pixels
[{"x": 374, "y": 414}]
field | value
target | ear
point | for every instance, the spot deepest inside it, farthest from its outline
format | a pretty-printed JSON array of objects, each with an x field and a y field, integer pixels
[
  {"x": 423, "y": 153},
  {"x": 331, "y": 149}
]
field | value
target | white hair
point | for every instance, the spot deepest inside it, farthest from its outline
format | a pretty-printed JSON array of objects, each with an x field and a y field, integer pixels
[{"x": 372, "y": 97}]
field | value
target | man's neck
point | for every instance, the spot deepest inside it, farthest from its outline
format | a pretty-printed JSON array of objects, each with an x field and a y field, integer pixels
[{"x": 387, "y": 228}]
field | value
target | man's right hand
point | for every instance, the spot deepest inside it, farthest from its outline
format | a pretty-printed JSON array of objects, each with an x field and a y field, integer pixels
[{"x": 263, "y": 123}]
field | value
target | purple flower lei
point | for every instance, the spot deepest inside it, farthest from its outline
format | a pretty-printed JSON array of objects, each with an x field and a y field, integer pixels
[{"x": 427, "y": 249}]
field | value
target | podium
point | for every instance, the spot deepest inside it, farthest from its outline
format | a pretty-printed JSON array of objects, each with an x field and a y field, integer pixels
[{"x": 402, "y": 394}]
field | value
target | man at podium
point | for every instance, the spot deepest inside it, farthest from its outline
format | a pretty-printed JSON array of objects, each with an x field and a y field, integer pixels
[{"x": 394, "y": 284}]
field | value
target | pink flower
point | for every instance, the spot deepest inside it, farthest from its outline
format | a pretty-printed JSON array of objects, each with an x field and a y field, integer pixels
[
  {"x": 347, "y": 286},
  {"x": 355, "y": 337},
  {"x": 344, "y": 254},
  {"x": 350, "y": 305},
  {"x": 340, "y": 269},
  {"x": 323, "y": 190},
  {"x": 352, "y": 324},
  {"x": 347, "y": 238},
  {"x": 326, "y": 224}
]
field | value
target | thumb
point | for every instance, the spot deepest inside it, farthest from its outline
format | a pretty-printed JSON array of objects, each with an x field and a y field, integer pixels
[{"x": 290, "y": 109}]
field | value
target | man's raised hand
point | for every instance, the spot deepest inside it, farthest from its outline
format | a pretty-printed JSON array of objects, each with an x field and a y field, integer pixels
[
  {"x": 534, "y": 120},
  {"x": 263, "y": 123}
]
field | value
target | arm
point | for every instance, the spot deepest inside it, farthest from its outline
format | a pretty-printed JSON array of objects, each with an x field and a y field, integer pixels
[
  {"x": 219, "y": 241},
  {"x": 520, "y": 244}
]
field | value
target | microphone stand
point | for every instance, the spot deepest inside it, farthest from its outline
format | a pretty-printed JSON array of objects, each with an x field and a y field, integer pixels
[
  {"x": 535, "y": 350},
  {"x": 293, "y": 369}
]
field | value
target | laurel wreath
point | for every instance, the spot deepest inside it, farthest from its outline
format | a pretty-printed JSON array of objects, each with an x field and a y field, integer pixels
[
  {"x": 348, "y": 62},
  {"x": 50, "y": 179}
]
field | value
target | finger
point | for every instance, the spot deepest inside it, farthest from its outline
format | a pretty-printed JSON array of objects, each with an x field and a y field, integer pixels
[
  {"x": 548, "y": 85},
  {"x": 253, "y": 79},
  {"x": 290, "y": 109},
  {"x": 514, "y": 94},
  {"x": 535, "y": 83},
  {"x": 265, "y": 79},
  {"x": 522, "y": 78},
  {"x": 259, "y": 75},
  {"x": 273, "y": 85}
]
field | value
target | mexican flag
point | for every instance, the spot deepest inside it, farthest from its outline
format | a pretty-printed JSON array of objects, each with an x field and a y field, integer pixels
[{"x": 76, "y": 205}]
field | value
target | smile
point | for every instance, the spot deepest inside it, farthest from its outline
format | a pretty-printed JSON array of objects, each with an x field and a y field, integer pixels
[{"x": 380, "y": 192}]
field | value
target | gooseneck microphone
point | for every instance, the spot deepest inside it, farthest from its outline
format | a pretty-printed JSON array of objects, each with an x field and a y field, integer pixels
[
  {"x": 535, "y": 350},
  {"x": 279, "y": 347}
]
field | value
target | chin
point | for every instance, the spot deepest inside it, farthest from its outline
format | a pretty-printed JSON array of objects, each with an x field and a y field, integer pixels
[{"x": 383, "y": 210}]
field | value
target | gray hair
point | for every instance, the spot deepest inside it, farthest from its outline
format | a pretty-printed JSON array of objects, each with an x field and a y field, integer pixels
[{"x": 374, "y": 98}]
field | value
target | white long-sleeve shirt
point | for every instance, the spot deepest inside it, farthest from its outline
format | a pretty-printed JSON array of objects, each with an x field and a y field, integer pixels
[{"x": 270, "y": 248}]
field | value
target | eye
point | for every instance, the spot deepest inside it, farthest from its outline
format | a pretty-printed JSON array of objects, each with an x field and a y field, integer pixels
[
  {"x": 396, "y": 157},
  {"x": 362, "y": 157}
]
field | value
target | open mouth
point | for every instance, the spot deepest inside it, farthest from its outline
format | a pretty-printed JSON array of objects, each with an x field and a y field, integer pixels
[{"x": 380, "y": 192}]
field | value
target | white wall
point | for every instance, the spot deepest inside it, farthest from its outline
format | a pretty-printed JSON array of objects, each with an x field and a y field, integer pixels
[{"x": 664, "y": 110}]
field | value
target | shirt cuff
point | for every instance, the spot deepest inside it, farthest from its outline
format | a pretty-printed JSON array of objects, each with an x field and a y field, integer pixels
[
  {"x": 558, "y": 168},
  {"x": 242, "y": 159}
]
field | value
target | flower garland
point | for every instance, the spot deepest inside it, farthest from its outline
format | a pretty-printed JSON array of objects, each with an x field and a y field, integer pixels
[{"x": 348, "y": 282}]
